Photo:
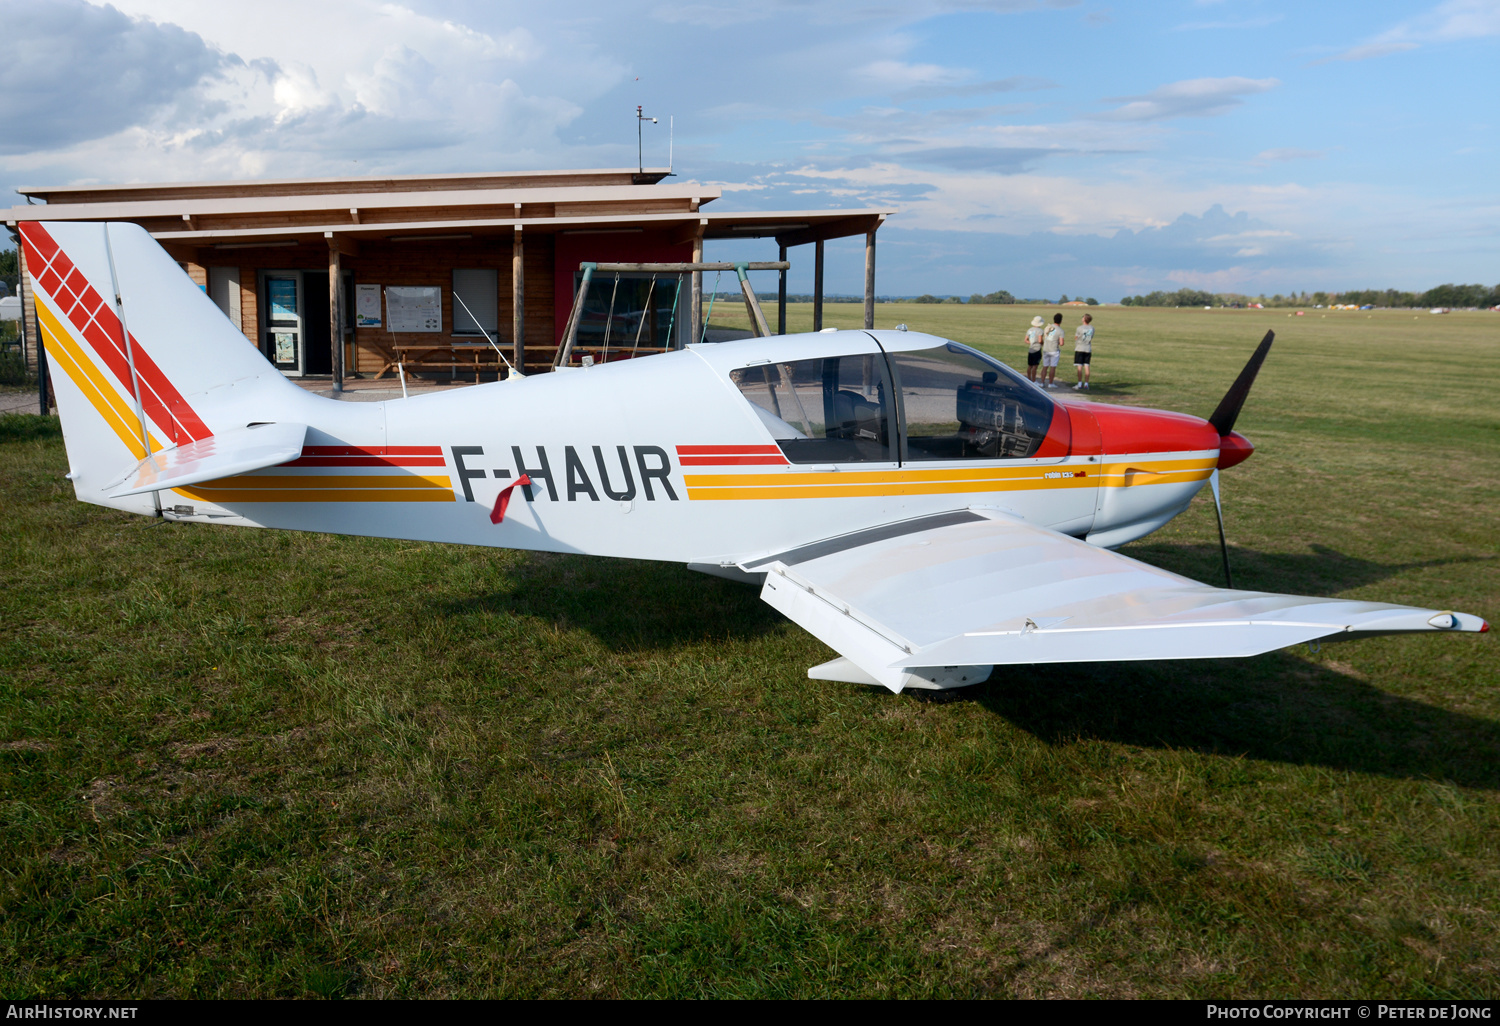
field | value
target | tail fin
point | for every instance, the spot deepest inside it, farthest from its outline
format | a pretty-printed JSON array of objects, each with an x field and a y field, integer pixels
[{"x": 136, "y": 349}]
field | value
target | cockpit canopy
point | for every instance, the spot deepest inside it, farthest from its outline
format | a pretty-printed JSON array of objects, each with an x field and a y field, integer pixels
[{"x": 951, "y": 403}]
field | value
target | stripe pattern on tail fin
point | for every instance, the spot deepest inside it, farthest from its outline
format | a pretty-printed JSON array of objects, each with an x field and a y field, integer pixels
[{"x": 75, "y": 301}]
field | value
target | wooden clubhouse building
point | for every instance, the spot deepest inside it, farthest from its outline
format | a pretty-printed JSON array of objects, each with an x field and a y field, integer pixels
[{"x": 368, "y": 274}]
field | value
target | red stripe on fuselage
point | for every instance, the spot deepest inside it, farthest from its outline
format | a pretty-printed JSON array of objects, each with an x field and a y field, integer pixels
[
  {"x": 730, "y": 456},
  {"x": 367, "y": 461},
  {"x": 373, "y": 456},
  {"x": 732, "y": 461},
  {"x": 726, "y": 450},
  {"x": 97, "y": 322},
  {"x": 374, "y": 450}
]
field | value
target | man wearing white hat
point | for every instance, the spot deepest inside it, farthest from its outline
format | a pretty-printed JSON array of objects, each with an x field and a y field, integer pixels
[{"x": 1034, "y": 348}]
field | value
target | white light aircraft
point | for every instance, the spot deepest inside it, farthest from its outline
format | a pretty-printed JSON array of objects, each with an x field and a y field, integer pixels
[{"x": 916, "y": 505}]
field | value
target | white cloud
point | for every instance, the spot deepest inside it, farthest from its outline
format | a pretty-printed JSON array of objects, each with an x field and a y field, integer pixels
[
  {"x": 362, "y": 86},
  {"x": 75, "y": 72},
  {"x": 1451, "y": 21},
  {"x": 1289, "y": 153},
  {"x": 1262, "y": 233},
  {"x": 1369, "y": 50},
  {"x": 1195, "y": 97},
  {"x": 912, "y": 81}
]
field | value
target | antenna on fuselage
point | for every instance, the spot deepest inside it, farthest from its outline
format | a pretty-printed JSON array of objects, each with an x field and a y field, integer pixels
[{"x": 513, "y": 372}]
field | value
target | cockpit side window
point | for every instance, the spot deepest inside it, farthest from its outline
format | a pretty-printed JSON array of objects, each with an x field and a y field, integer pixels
[
  {"x": 832, "y": 410},
  {"x": 959, "y": 404}
]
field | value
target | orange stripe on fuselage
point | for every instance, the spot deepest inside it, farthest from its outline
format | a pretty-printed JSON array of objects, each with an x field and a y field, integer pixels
[
  {"x": 956, "y": 480},
  {"x": 324, "y": 488}
]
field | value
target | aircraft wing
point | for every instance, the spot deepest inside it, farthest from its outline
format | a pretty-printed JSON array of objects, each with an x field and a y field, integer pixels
[
  {"x": 223, "y": 455},
  {"x": 943, "y": 598}
]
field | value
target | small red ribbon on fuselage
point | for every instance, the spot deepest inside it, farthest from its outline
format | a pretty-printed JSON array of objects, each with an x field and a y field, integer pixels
[{"x": 503, "y": 499}]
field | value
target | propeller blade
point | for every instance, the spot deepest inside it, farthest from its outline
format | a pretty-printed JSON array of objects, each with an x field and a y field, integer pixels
[
  {"x": 1213, "y": 484},
  {"x": 1228, "y": 411}
]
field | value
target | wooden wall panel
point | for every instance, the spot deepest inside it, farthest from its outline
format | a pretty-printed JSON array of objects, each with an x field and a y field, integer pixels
[{"x": 541, "y": 330}]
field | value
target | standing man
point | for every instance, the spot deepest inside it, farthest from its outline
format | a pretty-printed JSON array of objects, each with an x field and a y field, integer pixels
[
  {"x": 1052, "y": 342},
  {"x": 1083, "y": 351},
  {"x": 1034, "y": 348}
]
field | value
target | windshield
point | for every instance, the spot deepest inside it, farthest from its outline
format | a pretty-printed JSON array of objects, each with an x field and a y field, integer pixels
[{"x": 958, "y": 403}]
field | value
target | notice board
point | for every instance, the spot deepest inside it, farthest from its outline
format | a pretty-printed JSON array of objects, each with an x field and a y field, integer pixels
[
  {"x": 367, "y": 306},
  {"x": 414, "y": 307}
]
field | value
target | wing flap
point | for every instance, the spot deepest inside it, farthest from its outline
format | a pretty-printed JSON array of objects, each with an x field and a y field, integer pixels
[
  {"x": 238, "y": 451},
  {"x": 992, "y": 590}
]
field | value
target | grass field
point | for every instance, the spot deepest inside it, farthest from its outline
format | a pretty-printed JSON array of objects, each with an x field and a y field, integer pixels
[{"x": 244, "y": 763}]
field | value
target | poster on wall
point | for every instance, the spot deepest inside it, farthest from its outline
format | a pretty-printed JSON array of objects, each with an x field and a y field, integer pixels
[
  {"x": 414, "y": 308},
  {"x": 283, "y": 300},
  {"x": 367, "y": 306},
  {"x": 286, "y": 348}
]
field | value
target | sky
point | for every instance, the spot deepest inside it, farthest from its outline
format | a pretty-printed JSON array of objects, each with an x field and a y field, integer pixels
[{"x": 1060, "y": 147}]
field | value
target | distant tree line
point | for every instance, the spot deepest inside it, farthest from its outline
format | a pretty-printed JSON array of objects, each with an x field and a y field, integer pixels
[
  {"x": 1442, "y": 295},
  {"x": 1000, "y": 297}
]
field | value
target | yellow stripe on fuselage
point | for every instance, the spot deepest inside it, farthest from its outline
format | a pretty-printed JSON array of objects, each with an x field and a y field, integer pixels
[
  {"x": 793, "y": 484},
  {"x": 64, "y": 351}
]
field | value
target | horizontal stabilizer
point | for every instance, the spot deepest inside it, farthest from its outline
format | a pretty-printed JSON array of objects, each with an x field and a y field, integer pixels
[
  {"x": 238, "y": 451},
  {"x": 932, "y": 602}
]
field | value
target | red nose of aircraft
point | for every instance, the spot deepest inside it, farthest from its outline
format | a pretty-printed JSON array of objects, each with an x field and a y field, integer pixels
[
  {"x": 1115, "y": 430},
  {"x": 1234, "y": 448},
  {"x": 1124, "y": 429}
]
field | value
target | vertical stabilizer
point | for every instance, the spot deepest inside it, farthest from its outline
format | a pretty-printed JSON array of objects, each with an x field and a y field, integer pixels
[{"x": 142, "y": 360}]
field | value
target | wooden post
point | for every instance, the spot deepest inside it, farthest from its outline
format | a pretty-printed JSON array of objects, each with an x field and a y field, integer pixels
[
  {"x": 696, "y": 318},
  {"x": 752, "y": 305},
  {"x": 28, "y": 305},
  {"x": 23, "y": 289},
  {"x": 570, "y": 333},
  {"x": 43, "y": 398},
  {"x": 21, "y": 324},
  {"x": 870, "y": 279},
  {"x": 818, "y": 285},
  {"x": 335, "y": 328},
  {"x": 781, "y": 296},
  {"x": 518, "y": 301}
]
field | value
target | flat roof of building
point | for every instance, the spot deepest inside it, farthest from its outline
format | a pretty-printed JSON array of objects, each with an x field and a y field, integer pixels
[
  {"x": 98, "y": 193},
  {"x": 431, "y": 207}
]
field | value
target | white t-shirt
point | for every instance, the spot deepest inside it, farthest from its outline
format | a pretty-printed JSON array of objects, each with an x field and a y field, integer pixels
[
  {"x": 1053, "y": 339},
  {"x": 1034, "y": 340},
  {"x": 1083, "y": 339}
]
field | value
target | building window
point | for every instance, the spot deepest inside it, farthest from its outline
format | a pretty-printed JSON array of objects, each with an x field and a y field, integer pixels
[{"x": 478, "y": 290}]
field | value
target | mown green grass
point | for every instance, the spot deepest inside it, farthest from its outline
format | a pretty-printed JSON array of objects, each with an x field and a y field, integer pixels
[{"x": 248, "y": 763}]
